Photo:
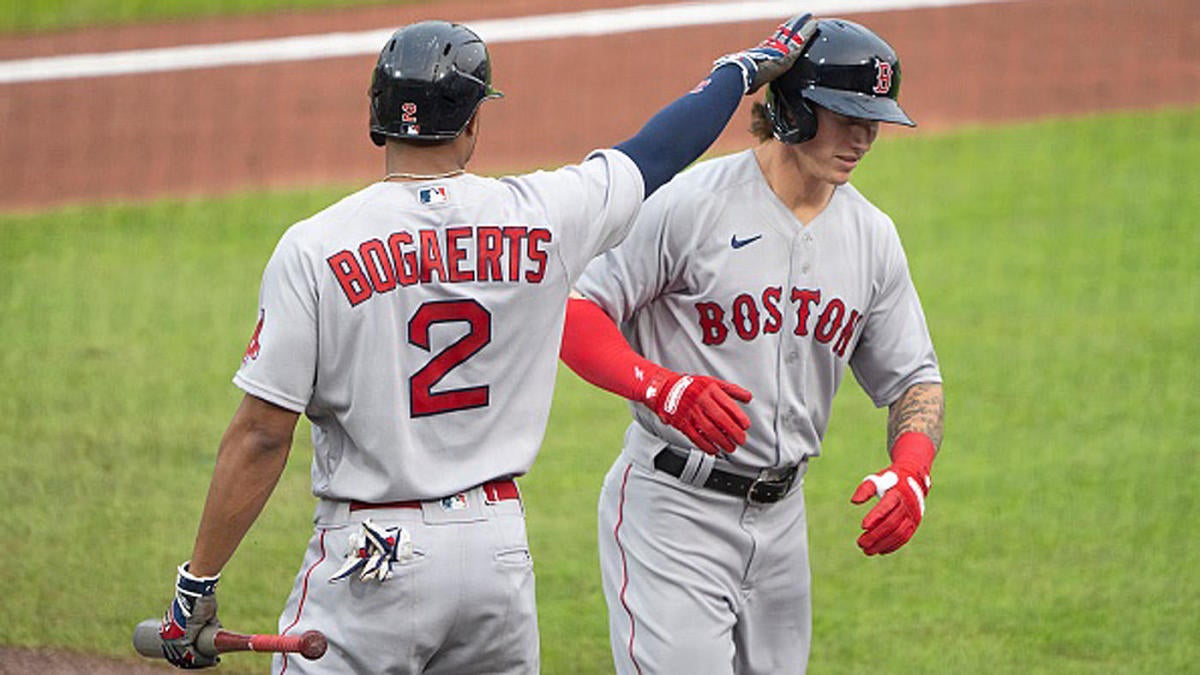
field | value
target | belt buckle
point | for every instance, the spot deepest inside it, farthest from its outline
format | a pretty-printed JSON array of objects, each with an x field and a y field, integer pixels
[{"x": 772, "y": 478}]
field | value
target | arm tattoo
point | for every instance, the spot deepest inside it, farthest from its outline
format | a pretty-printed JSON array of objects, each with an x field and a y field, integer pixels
[{"x": 920, "y": 408}]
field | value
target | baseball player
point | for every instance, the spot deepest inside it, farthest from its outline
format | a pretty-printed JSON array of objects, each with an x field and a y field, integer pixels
[
  {"x": 417, "y": 324},
  {"x": 767, "y": 269}
]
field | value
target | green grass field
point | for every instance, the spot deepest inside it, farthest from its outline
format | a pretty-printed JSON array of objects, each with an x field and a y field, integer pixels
[{"x": 1059, "y": 264}]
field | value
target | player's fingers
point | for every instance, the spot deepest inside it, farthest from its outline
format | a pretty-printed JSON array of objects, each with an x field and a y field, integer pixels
[
  {"x": 875, "y": 539},
  {"x": 800, "y": 28},
  {"x": 730, "y": 426},
  {"x": 698, "y": 439},
  {"x": 892, "y": 541},
  {"x": 888, "y": 505},
  {"x": 731, "y": 409},
  {"x": 735, "y": 391},
  {"x": 865, "y": 491},
  {"x": 711, "y": 430}
]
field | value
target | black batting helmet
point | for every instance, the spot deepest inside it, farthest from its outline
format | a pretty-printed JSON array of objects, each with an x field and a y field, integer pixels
[
  {"x": 847, "y": 69},
  {"x": 428, "y": 82}
]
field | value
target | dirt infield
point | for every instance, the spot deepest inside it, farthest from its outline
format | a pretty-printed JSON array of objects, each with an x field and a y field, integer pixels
[
  {"x": 216, "y": 130},
  {"x": 208, "y": 132}
]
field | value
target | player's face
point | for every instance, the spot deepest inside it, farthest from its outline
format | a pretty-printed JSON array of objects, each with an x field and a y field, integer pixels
[{"x": 840, "y": 144}]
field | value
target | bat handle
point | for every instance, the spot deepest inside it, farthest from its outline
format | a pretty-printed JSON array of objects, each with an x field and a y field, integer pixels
[{"x": 147, "y": 642}]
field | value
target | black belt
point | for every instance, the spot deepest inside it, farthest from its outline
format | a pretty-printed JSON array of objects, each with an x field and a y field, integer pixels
[{"x": 754, "y": 489}]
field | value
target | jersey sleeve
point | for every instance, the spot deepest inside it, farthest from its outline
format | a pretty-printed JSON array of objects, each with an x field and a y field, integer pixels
[
  {"x": 593, "y": 203},
  {"x": 629, "y": 276},
  {"x": 280, "y": 362},
  {"x": 895, "y": 351}
]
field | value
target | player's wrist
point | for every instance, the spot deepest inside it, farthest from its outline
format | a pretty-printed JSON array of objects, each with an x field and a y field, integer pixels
[
  {"x": 914, "y": 451},
  {"x": 204, "y": 584},
  {"x": 653, "y": 382}
]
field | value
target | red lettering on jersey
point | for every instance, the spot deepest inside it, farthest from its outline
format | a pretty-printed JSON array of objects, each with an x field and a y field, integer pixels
[
  {"x": 536, "y": 255},
  {"x": 830, "y": 321},
  {"x": 883, "y": 76},
  {"x": 423, "y": 399},
  {"x": 843, "y": 340},
  {"x": 490, "y": 250},
  {"x": 431, "y": 256},
  {"x": 350, "y": 276},
  {"x": 514, "y": 235},
  {"x": 455, "y": 254},
  {"x": 253, "y": 348},
  {"x": 745, "y": 317},
  {"x": 770, "y": 300},
  {"x": 378, "y": 265},
  {"x": 712, "y": 323},
  {"x": 404, "y": 256},
  {"x": 805, "y": 298}
]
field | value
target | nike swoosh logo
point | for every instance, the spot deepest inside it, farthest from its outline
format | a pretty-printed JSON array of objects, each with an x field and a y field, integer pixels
[{"x": 738, "y": 243}]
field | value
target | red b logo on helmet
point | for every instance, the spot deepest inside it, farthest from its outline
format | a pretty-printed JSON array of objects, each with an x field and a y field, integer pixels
[{"x": 883, "y": 76}]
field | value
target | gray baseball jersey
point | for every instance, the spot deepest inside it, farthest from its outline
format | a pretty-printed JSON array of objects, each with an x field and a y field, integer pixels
[
  {"x": 719, "y": 278},
  {"x": 418, "y": 324}
]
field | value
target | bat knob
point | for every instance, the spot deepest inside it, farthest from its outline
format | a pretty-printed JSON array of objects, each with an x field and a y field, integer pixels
[{"x": 313, "y": 644}]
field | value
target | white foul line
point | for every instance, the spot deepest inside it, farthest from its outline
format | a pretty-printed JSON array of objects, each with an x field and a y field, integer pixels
[{"x": 493, "y": 31}]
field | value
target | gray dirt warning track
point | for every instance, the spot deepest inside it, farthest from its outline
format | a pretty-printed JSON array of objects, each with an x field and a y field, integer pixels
[{"x": 216, "y": 130}]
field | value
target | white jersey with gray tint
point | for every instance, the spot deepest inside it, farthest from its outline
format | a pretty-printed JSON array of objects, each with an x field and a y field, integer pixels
[
  {"x": 418, "y": 324},
  {"x": 719, "y": 278}
]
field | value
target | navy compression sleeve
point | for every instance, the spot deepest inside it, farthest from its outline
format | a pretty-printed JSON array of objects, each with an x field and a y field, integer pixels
[{"x": 682, "y": 131}]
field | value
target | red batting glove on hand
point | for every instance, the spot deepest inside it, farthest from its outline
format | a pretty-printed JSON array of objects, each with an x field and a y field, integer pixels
[
  {"x": 704, "y": 408},
  {"x": 901, "y": 488}
]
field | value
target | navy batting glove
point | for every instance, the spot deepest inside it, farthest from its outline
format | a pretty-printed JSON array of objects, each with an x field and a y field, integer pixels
[
  {"x": 194, "y": 607},
  {"x": 774, "y": 56}
]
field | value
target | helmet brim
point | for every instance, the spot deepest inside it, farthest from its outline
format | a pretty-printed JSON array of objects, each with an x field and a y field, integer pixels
[{"x": 856, "y": 104}]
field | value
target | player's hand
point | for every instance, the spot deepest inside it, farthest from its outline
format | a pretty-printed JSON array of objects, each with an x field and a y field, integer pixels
[
  {"x": 194, "y": 607},
  {"x": 775, "y": 55},
  {"x": 901, "y": 488},
  {"x": 704, "y": 408}
]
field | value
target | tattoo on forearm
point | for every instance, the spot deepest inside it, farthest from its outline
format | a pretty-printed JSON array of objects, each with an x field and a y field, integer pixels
[{"x": 922, "y": 408}]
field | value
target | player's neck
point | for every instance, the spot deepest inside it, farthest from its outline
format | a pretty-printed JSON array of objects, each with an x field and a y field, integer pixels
[
  {"x": 803, "y": 192},
  {"x": 411, "y": 162}
]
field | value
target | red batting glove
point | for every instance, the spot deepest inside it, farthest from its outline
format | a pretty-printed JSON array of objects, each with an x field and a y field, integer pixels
[
  {"x": 704, "y": 408},
  {"x": 901, "y": 488}
]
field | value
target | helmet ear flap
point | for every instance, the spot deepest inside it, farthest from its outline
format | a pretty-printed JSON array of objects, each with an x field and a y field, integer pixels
[{"x": 792, "y": 122}]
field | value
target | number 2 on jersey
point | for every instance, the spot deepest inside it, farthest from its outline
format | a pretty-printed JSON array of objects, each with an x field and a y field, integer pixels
[{"x": 423, "y": 400}]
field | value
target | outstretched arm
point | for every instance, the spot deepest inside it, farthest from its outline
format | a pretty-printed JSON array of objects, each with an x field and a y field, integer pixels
[
  {"x": 705, "y": 409},
  {"x": 915, "y": 423},
  {"x": 682, "y": 131}
]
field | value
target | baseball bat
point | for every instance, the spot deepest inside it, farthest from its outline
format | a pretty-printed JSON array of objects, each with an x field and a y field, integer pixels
[{"x": 212, "y": 641}]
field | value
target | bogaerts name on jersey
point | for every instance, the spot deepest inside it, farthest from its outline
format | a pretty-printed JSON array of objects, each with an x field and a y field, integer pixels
[{"x": 455, "y": 255}]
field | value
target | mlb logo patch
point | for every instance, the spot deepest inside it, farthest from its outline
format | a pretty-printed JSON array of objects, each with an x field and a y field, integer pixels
[
  {"x": 457, "y": 502},
  {"x": 434, "y": 195}
]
